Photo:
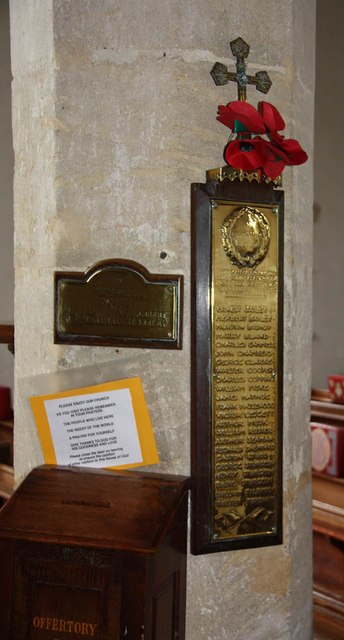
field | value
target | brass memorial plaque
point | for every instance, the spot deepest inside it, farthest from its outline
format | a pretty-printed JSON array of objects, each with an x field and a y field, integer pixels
[
  {"x": 237, "y": 365},
  {"x": 237, "y": 325},
  {"x": 118, "y": 303},
  {"x": 244, "y": 308}
]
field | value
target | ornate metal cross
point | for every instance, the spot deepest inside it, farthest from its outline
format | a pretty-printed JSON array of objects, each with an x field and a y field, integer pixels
[{"x": 221, "y": 75}]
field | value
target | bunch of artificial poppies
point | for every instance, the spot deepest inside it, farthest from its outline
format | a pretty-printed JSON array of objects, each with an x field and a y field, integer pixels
[{"x": 249, "y": 151}]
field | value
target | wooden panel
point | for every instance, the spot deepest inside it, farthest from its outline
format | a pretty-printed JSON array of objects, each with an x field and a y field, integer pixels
[
  {"x": 328, "y": 490},
  {"x": 328, "y": 556},
  {"x": 163, "y": 608},
  {"x": 6, "y": 481},
  {"x": 6, "y": 441},
  {"x": 94, "y": 554},
  {"x": 105, "y": 509},
  {"x": 327, "y": 624},
  {"x": 7, "y": 335},
  {"x": 61, "y": 590},
  {"x": 322, "y": 407},
  {"x": 329, "y": 566}
]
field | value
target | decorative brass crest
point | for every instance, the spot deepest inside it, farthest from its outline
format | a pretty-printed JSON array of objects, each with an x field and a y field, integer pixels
[{"x": 245, "y": 237}]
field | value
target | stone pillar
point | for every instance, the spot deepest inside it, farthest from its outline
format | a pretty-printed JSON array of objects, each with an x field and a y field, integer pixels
[
  {"x": 114, "y": 116},
  {"x": 6, "y": 194}
]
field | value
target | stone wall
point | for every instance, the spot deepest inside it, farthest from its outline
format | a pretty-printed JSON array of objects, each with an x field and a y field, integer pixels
[
  {"x": 6, "y": 195},
  {"x": 114, "y": 117}
]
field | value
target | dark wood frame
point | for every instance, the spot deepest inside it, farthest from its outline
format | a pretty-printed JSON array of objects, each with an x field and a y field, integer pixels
[
  {"x": 118, "y": 341},
  {"x": 201, "y": 392}
]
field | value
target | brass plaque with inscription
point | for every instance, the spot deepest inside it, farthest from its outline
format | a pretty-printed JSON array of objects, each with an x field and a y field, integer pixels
[
  {"x": 118, "y": 303},
  {"x": 244, "y": 369},
  {"x": 237, "y": 365}
]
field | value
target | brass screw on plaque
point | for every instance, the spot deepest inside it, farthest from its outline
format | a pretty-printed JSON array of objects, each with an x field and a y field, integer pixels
[{"x": 221, "y": 75}]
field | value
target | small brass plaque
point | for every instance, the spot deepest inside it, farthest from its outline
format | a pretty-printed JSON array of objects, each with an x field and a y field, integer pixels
[{"x": 118, "y": 303}]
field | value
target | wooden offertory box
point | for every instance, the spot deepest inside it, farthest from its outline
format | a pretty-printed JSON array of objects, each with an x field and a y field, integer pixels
[{"x": 94, "y": 555}]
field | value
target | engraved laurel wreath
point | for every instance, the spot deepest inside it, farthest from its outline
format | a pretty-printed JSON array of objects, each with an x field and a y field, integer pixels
[{"x": 245, "y": 235}]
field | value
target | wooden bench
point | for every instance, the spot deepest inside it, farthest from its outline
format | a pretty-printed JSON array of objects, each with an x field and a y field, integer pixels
[
  {"x": 6, "y": 482},
  {"x": 328, "y": 533},
  {"x": 6, "y": 442}
]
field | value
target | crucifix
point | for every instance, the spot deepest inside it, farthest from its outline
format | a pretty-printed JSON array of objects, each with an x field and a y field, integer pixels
[
  {"x": 237, "y": 344},
  {"x": 221, "y": 75}
]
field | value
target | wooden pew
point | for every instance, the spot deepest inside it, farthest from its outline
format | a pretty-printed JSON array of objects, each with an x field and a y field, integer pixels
[
  {"x": 6, "y": 482},
  {"x": 328, "y": 533},
  {"x": 6, "y": 431},
  {"x": 6, "y": 442}
]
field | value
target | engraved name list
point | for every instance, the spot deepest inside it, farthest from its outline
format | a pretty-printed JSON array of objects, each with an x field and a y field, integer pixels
[{"x": 245, "y": 393}]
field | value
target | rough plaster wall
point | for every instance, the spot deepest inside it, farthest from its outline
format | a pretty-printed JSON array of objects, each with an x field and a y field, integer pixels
[
  {"x": 6, "y": 195},
  {"x": 328, "y": 343},
  {"x": 121, "y": 120},
  {"x": 34, "y": 137}
]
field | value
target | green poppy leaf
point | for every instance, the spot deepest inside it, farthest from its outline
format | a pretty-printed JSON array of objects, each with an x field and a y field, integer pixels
[{"x": 238, "y": 126}]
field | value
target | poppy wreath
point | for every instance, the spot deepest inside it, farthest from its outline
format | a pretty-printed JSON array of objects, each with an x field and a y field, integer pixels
[{"x": 249, "y": 151}]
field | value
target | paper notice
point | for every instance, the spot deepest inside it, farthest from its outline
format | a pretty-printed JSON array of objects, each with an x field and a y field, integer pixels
[{"x": 102, "y": 426}]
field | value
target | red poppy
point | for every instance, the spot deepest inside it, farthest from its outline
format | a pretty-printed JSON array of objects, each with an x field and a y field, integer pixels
[
  {"x": 272, "y": 118},
  {"x": 242, "y": 112},
  {"x": 255, "y": 154},
  {"x": 245, "y": 154},
  {"x": 272, "y": 164},
  {"x": 249, "y": 154},
  {"x": 288, "y": 149}
]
